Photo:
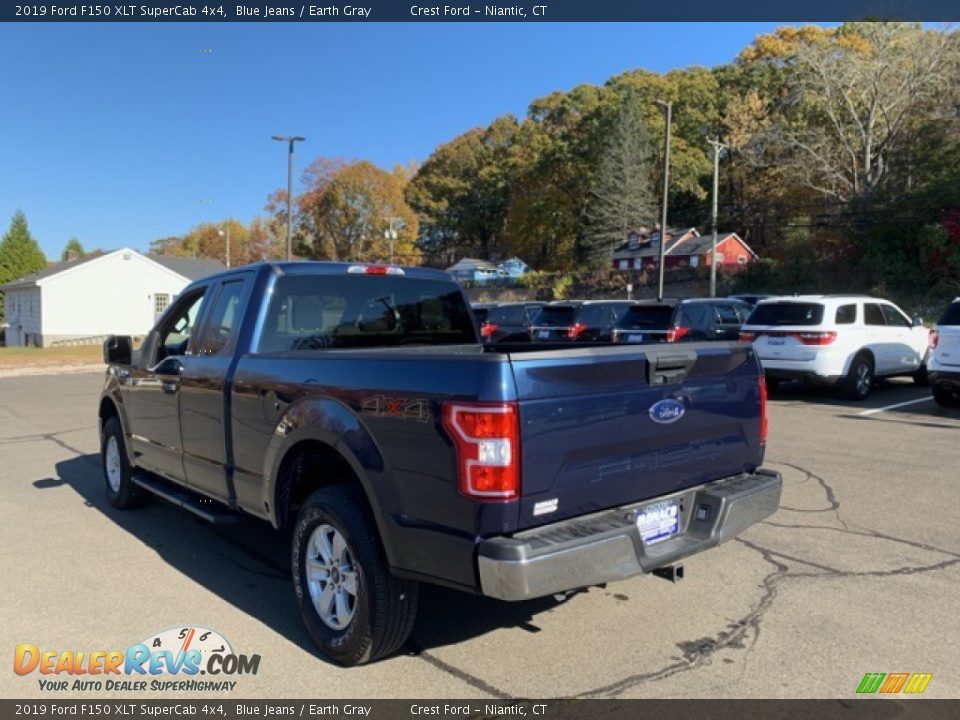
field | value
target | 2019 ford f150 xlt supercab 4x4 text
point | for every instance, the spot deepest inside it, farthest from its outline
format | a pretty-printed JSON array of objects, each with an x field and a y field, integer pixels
[{"x": 355, "y": 405}]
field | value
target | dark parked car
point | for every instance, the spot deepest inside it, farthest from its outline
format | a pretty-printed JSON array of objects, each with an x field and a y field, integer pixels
[
  {"x": 682, "y": 321},
  {"x": 581, "y": 321},
  {"x": 509, "y": 322},
  {"x": 480, "y": 311}
]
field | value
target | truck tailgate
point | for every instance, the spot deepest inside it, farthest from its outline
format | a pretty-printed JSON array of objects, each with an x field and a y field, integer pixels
[{"x": 595, "y": 434}]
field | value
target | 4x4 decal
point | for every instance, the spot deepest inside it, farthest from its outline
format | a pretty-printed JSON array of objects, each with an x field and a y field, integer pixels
[{"x": 382, "y": 406}]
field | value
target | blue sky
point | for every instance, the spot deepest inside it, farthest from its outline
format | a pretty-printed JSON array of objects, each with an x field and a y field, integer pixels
[{"x": 124, "y": 133}]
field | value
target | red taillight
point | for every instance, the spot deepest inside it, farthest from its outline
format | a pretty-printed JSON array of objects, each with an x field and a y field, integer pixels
[
  {"x": 488, "y": 329},
  {"x": 764, "y": 425},
  {"x": 816, "y": 338},
  {"x": 487, "y": 439},
  {"x": 675, "y": 333},
  {"x": 574, "y": 332},
  {"x": 934, "y": 338},
  {"x": 747, "y": 336}
]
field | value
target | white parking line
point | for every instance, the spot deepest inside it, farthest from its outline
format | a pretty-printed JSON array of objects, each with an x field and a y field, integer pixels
[{"x": 894, "y": 407}]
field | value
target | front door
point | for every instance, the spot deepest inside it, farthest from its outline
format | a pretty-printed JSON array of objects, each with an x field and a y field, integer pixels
[
  {"x": 153, "y": 390},
  {"x": 204, "y": 390}
]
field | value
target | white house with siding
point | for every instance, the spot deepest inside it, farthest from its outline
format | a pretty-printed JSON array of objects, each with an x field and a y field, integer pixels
[{"x": 85, "y": 299}]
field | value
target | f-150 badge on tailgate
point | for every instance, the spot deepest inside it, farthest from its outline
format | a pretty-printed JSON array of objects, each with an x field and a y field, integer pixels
[{"x": 667, "y": 411}]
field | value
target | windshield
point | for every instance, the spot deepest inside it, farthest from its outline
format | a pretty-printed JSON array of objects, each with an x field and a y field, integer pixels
[
  {"x": 331, "y": 311},
  {"x": 786, "y": 313},
  {"x": 647, "y": 317},
  {"x": 554, "y": 316}
]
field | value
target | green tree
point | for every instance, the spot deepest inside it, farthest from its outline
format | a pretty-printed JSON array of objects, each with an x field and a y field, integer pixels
[
  {"x": 19, "y": 253},
  {"x": 621, "y": 197},
  {"x": 72, "y": 250}
]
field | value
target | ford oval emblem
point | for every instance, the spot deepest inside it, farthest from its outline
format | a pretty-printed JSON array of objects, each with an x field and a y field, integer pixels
[{"x": 667, "y": 411}]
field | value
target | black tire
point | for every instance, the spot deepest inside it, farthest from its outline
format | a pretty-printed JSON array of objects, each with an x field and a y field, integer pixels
[
  {"x": 122, "y": 493},
  {"x": 944, "y": 397},
  {"x": 920, "y": 377},
  {"x": 859, "y": 380},
  {"x": 384, "y": 607}
]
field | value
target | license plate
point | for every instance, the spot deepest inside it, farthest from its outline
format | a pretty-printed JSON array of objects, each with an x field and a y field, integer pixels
[
  {"x": 658, "y": 521},
  {"x": 776, "y": 341},
  {"x": 543, "y": 334},
  {"x": 635, "y": 337}
]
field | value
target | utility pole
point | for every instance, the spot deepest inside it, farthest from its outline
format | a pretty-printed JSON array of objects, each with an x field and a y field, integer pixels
[
  {"x": 717, "y": 145},
  {"x": 226, "y": 236},
  {"x": 291, "y": 139},
  {"x": 668, "y": 108},
  {"x": 391, "y": 233}
]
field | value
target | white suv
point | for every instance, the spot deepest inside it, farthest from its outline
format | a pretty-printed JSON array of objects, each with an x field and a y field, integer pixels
[
  {"x": 944, "y": 363},
  {"x": 844, "y": 340}
]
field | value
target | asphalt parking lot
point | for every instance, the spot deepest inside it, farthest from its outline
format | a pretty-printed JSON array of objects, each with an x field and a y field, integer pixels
[{"x": 858, "y": 572}]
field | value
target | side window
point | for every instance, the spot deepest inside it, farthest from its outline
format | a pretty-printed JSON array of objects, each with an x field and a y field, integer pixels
[
  {"x": 726, "y": 315},
  {"x": 872, "y": 314},
  {"x": 695, "y": 317},
  {"x": 221, "y": 325},
  {"x": 846, "y": 314},
  {"x": 894, "y": 317},
  {"x": 174, "y": 335}
]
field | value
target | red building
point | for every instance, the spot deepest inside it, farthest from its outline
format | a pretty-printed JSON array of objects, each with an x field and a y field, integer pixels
[{"x": 685, "y": 248}]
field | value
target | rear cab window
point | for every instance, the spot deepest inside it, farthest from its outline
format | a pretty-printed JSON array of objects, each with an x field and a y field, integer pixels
[
  {"x": 309, "y": 312},
  {"x": 787, "y": 313}
]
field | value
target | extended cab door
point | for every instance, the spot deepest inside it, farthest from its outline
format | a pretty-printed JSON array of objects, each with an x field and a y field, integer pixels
[
  {"x": 205, "y": 392},
  {"x": 152, "y": 389}
]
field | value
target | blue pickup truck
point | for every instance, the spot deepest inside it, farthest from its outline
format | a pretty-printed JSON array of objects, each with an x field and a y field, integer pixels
[{"x": 355, "y": 407}]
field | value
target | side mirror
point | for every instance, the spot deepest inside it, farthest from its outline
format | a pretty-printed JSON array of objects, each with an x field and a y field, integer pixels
[
  {"x": 118, "y": 350},
  {"x": 917, "y": 321}
]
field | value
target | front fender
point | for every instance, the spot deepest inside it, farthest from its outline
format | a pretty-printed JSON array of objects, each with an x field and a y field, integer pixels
[
  {"x": 111, "y": 393},
  {"x": 332, "y": 423}
]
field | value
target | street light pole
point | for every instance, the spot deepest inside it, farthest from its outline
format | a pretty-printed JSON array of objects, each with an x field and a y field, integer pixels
[
  {"x": 717, "y": 145},
  {"x": 391, "y": 233},
  {"x": 290, "y": 139},
  {"x": 226, "y": 236},
  {"x": 668, "y": 107}
]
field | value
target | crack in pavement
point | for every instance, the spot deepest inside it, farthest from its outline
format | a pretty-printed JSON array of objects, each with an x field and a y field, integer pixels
[{"x": 698, "y": 653}]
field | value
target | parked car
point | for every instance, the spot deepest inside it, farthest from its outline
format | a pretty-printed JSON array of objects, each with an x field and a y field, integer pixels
[
  {"x": 694, "y": 319},
  {"x": 842, "y": 340},
  {"x": 480, "y": 311},
  {"x": 944, "y": 365},
  {"x": 353, "y": 407},
  {"x": 509, "y": 322},
  {"x": 752, "y": 299},
  {"x": 577, "y": 321}
]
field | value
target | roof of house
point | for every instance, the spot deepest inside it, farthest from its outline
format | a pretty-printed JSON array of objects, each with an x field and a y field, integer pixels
[
  {"x": 471, "y": 264},
  {"x": 190, "y": 268},
  {"x": 648, "y": 244}
]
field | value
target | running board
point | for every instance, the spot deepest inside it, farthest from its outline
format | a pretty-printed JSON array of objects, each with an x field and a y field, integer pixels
[{"x": 203, "y": 507}]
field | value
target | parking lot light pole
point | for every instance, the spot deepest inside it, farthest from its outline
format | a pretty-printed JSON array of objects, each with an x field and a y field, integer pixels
[
  {"x": 668, "y": 110},
  {"x": 290, "y": 139},
  {"x": 391, "y": 233},
  {"x": 717, "y": 146},
  {"x": 226, "y": 236}
]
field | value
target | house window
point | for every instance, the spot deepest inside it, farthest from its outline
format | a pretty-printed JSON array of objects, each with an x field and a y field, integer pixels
[
  {"x": 624, "y": 264},
  {"x": 718, "y": 258},
  {"x": 741, "y": 259},
  {"x": 160, "y": 302}
]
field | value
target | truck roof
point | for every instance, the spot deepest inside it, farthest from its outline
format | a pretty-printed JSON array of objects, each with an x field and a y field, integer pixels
[{"x": 323, "y": 267}]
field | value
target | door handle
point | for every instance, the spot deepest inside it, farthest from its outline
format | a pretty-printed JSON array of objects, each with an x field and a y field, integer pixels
[{"x": 170, "y": 387}]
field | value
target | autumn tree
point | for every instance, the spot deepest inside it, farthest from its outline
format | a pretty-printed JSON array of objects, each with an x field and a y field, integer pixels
[
  {"x": 345, "y": 216},
  {"x": 850, "y": 96},
  {"x": 622, "y": 196},
  {"x": 19, "y": 253}
]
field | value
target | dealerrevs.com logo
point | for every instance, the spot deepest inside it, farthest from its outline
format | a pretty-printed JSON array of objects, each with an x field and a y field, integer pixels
[{"x": 179, "y": 659}]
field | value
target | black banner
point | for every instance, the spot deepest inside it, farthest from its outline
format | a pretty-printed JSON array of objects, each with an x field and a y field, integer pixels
[
  {"x": 472, "y": 11},
  {"x": 854, "y": 709}
]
